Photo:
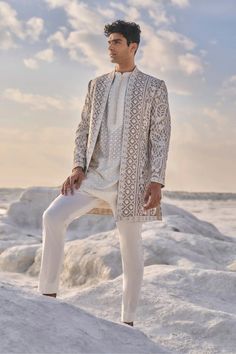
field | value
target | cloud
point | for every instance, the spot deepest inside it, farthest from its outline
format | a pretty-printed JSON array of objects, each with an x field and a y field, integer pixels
[
  {"x": 57, "y": 3},
  {"x": 59, "y": 38},
  {"x": 34, "y": 27},
  {"x": 164, "y": 51},
  {"x": 31, "y": 63},
  {"x": 6, "y": 40},
  {"x": 41, "y": 102},
  {"x": 141, "y": 3},
  {"x": 106, "y": 12},
  {"x": 80, "y": 15},
  {"x": 159, "y": 15},
  {"x": 33, "y": 101},
  {"x": 177, "y": 38},
  {"x": 190, "y": 63},
  {"x": 131, "y": 13},
  {"x": 11, "y": 28},
  {"x": 153, "y": 3},
  {"x": 86, "y": 44},
  {"x": 180, "y": 3},
  {"x": 9, "y": 20},
  {"x": 43, "y": 55},
  {"x": 84, "y": 47},
  {"x": 155, "y": 9}
]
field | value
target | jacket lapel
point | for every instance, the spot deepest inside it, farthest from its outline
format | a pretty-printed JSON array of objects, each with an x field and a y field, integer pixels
[{"x": 102, "y": 88}]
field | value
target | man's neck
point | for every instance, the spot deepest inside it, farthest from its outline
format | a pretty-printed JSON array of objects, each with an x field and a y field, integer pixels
[{"x": 124, "y": 68}]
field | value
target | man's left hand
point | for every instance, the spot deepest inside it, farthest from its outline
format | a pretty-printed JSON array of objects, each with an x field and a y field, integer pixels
[{"x": 152, "y": 195}]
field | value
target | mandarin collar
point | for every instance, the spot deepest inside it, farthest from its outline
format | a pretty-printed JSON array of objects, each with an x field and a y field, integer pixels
[{"x": 133, "y": 72}]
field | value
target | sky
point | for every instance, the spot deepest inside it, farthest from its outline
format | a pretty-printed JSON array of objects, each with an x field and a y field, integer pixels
[{"x": 50, "y": 49}]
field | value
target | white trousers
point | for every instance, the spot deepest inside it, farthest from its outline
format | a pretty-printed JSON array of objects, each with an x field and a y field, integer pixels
[{"x": 56, "y": 218}]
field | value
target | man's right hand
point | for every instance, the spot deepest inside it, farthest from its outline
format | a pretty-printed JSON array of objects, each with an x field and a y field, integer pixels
[{"x": 75, "y": 179}]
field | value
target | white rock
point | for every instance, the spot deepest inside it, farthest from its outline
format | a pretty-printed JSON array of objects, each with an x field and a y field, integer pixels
[{"x": 31, "y": 323}]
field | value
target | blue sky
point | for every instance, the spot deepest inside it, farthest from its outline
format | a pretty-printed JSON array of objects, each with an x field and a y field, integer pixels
[{"x": 50, "y": 49}]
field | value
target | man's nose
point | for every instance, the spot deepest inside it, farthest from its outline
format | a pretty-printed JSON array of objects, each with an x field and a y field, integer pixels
[{"x": 110, "y": 46}]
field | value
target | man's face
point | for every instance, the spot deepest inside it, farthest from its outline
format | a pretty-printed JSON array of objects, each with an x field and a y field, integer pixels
[{"x": 118, "y": 49}]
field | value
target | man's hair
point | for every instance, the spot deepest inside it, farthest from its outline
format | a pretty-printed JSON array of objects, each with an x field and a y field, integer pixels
[{"x": 130, "y": 30}]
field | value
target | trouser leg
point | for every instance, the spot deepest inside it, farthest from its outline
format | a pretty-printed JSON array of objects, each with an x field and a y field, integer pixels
[
  {"x": 133, "y": 267},
  {"x": 56, "y": 218}
]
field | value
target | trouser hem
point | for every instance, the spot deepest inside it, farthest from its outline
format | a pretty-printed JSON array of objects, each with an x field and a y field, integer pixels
[
  {"x": 127, "y": 316},
  {"x": 47, "y": 289}
]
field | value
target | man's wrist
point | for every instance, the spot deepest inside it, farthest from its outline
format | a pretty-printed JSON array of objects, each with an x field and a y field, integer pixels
[
  {"x": 158, "y": 183},
  {"x": 79, "y": 168}
]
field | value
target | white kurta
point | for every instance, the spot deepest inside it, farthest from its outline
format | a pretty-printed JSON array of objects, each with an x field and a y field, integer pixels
[{"x": 104, "y": 168}]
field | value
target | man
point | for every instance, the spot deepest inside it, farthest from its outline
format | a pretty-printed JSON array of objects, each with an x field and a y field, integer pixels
[{"x": 120, "y": 156}]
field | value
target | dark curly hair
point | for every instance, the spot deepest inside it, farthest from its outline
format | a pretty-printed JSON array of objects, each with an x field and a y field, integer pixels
[{"x": 130, "y": 30}]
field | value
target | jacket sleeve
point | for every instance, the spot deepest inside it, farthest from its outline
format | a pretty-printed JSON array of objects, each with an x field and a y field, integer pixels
[
  {"x": 160, "y": 131},
  {"x": 82, "y": 131}
]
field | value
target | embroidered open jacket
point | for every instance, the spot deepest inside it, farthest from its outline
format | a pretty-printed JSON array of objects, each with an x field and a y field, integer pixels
[{"x": 145, "y": 141}]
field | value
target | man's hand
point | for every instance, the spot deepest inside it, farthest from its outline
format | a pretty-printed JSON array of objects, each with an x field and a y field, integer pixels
[
  {"x": 74, "y": 179},
  {"x": 152, "y": 195}
]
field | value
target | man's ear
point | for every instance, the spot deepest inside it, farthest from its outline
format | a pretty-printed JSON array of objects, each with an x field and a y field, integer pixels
[{"x": 134, "y": 47}]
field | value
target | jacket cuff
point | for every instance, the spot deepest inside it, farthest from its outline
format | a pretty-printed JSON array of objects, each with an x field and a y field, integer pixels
[
  {"x": 155, "y": 179},
  {"x": 77, "y": 164}
]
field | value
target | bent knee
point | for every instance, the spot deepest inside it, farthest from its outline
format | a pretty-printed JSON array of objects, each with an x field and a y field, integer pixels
[{"x": 50, "y": 215}]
